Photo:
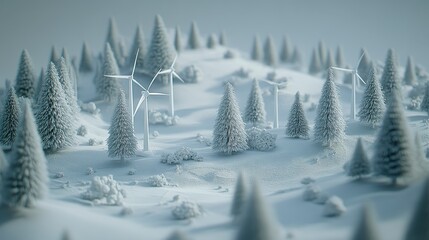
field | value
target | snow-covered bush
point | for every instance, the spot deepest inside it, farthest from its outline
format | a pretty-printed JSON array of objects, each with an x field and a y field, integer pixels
[
  {"x": 89, "y": 108},
  {"x": 260, "y": 139},
  {"x": 90, "y": 171},
  {"x": 155, "y": 134},
  {"x": 191, "y": 74},
  {"x": 242, "y": 73},
  {"x": 183, "y": 154},
  {"x": 94, "y": 142},
  {"x": 311, "y": 193},
  {"x": 125, "y": 211},
  {"x": 202, "y": 139},
  {"x": 322, "y": 198},
  {"x": 158, "y": 181},
  {"x": 187, "y": 210},
  {"x": 105, "y": 190},
  {"x": 229, "y": 54},
  {"x": 334, "y": 207},
  {"x": 59, "y": 175},
  {"x": 81, "y": 131},
  {"x": 307, "y": 180},
  {"x": 414, "y": 104},
  {"x": 162, "y": 117}
]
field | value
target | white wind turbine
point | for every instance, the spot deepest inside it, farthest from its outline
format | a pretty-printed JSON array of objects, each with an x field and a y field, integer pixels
[
  {"x": 130, "y": 86},
  {"x": 276, "y": 99},
  {"x": 356, "y": 76},
  {"x": 171, "y": 71},
  {"x": 144, "y": 98}
]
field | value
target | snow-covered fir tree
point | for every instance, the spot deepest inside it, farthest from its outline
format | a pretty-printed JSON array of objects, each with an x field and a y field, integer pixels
[
  {"x": 108, "y": 88},
  {"x": 297, "y": 125},
  {"x": 211, "y": 41},
  {"x": 24, "y": 84},
  {"x": 70, "y": 96},
  {"x": 296, "y": 57},
  {"x": 138, "y": 44},
  {"x": 330, "y": 61},
  {"x": 329, "y": 125},
  {"x": 178, "y": 45},
  {"x": 365, "y": 64},
  {"x": 424, "y": 105},
  {"x": 255, "y": 107},
  {"x": 26, "y": 180},
  {"x": 86, "y": 60},
  {"x": 286, "y": 51},
  {"x": 417, "y": 226},
  {"x": 315, "y": 65},
  {"x": 53, "y": 117},
  {"x": 114, "y": 40},
  {"x": 240, "y": 197},
  {"x": 121, "y": 142},
  {"x": 39, "y": 85},
  {"x": 229, "y": 134},
  {"x": 389, "y": 79},
  {"x": 72, "y": 70},
  {"x": 359, "y": 164},
  {"x": 410, "y": 73},
  {"x": 160, "y": 53},
  {"x": 55, "y": 56},
  {"x": 322, "y": 54},
  {"x": 367, "y": 227},
  {"x": 177, "y": 235},
  {"x": 339, "y": 57},
  {"x": 372, "y": 106},
  {"x": 222, "y": 38},
  {"x": 393, "y": 154},
  {"x": 9, "y": 119},
  {"x": 256, "y": 53},
  {"x": 257, "y": 222},
  {"x": 270, "y": 53},
  {"x": 194, "y": 39}
]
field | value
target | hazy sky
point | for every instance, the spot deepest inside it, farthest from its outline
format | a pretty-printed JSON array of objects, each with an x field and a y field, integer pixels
[{"x": 376, "y": 25}]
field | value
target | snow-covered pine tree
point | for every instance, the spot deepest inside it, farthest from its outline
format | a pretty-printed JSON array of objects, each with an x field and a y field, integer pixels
[
  {"x": 139, "y": 43},
  {"x": 286, "y": 51},
  {"x": 240, "y": 196},
  {"x": 211, "y": 41},
  {"x": 229, "y": 134},
  {"x": 121, "y": 142},
  {"x": 424, "y": 105},
  {"x": 372, "y": 106},
  {"x": 70, "y": 96},
  {"x": 297, "y": 125},
  {"x": 315, "y": 65},
  {"x": 367, "y": 227},
  {"x": 24, "y": 84},
  {"x": 270, "y": 53},
  {"x": 26, "y": 180},
  {"x": 417, "y": 226},
  {"x": 108, "y": 88},
  {"x": 410, "y": 73},
  {"x": 329, "y": 125},
  {"x": 256, "y": 53},
  {"x": 9, "y": 119},
  {"x": 389, "y": 79},
  {"x": 339, "y": 57},
  {"x": 296, "y": 57},
  {"x": 178, "y": 45},
  {"x": 86, "y": 60},
  {"x": 322, "y": 54},
  {"x": 53, "y": 117},
  {"x": 160, "y": 53},
  {"x": 177, "y": 235},
  {"x": 194, "y": 40},
  {"x": 330, "y": 61},
  {"x": 365, "y": 64},
  {"x": 114, "y": 40},
  {"x": 393, "y": 154},
  {"x": 359, "y": 164},
  {"x": 222, "y": 38},
  {"x": 39, "y": 85},
  {"x": 257, "y": 223},
  {"x": 55, "y": 56},
  {"x": 255, "y": 108}
]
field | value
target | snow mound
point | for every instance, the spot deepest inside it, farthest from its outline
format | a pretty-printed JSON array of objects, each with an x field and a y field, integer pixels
[
  {"x": 260, "y": 139},
  {"x": 334, "y": 207},
  {"x": 187, "y": 210},
  {"x": 183, "y": 154},
  {"x": 311, "y": 193},
  {"x": 105, "y": 190}
]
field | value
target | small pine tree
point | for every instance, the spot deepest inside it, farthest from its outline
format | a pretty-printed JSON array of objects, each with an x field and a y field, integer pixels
[
  {"x": 86, "y": 60},
  {"x": 138, "y": 44},
  {"x": 108, "y": 88},
  {"x": 256, "y": 53},
  {"x": 296, "y": 57},
  {"x": 229, "y": 135},
  {"x": 372, "y": 106},
  {"x": 113, "y": 39},
  {"x": 321, "y": 50},
  {"x": 177, "y": 235},
  {"x": 54, "y": 120},
  {"x": 417, "y": 226},
  {"x": 255, "y": 108},
  {"x": 297, "y": 125},
  {"x": 240, "y": 195},
  {"x": 194, "y": 41},
  {"x": 339, "y": 57},
  {"x": 389, "y": 79},
  {"x": 70, "y": 96},
  {"x": 121, "y": 142},
  {"x": 24, "y": 84},
  {"x": 393, "y": 150},
  {"x": 365, "y": 64},
  {"x": 286, "y": 52},
  {"x": 55, "y": 56},
  {"x": 410, "y": 73},
  {"x": 366, "y": 228},
  {"x": 9, "y": 119},
  {"x": 424, "y": 105},
  {"x": 39, "y": 85},
  {"x": 211, "y": 41},
  {"x": 71, "y": 69},
  {"x": 329, "y": 125},
  {"x": 222, "y": 38},
  {"x": 270, "y": 56},
  {"x": 315, "y": 65},
  {"x": 359, "y": 165},
  {"x": 27, "y": 177},
  {"x": 178, "y": 45}
]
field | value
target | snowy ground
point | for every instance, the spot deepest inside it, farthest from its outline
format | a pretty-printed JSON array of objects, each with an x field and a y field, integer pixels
[{"x": 210, "y": 183}]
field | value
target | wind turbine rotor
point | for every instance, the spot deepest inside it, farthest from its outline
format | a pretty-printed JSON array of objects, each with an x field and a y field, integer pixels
[
  {"x": 153, "y": 79},
  {"x": 135, "y": 62},
  {"x": 178, "y": 77},
  {"x": 343, "y": 69},
  {"x": 118, "y": 76}
]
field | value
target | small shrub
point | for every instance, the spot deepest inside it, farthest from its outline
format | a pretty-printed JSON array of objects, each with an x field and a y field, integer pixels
[
  {"x": 191, "y": 74},
  {"x": 183, "y": 154},
  {"x": 334, "y": 206},
  {"x": 105, "y": 190},
  {"x": 81, "y": 131},
  {"x": 260, "y": 139},
  {"x": 311, "y": 193},
  {"x": 242, "y": 73},
  {"x": 90, "y": 171},
  {"x": 162, "y": 117},
  {"x": 187, "y": 210},
  {"x": 229, "y": 54},
  {"x": 158, "y": 181},
  {"x": 59, "y": 175},
  {"x": 94, "y": 142},
  {"x": 89, "y": 108},
  {"x": 307, "y": 180}
]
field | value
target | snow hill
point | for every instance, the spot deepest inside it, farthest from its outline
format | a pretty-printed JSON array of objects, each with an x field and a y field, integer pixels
[{"x": 210, "y": 183}]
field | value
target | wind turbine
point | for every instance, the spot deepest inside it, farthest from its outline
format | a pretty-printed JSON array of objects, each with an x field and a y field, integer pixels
[
  {"x": 144, "y": 98},
  {"x": 276, "y": 99},
  {"x": 171, "y": 71},
  {"x": 356, "y": 76},
  {"x": 130, "y": 86}
]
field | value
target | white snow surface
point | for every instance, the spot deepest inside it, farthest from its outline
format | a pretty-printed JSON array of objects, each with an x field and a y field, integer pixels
[{"x": 210, "y": 183}]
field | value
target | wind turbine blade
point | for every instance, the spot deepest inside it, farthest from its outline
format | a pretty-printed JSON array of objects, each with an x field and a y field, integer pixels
[
  {"x": 135, "y": 81},
  {"x": 165, "y": 71},
  {"x": 153, "y": 79},
  {"x": 139, "y": 104},
  {"x": 178, "y": 77},
  {"x": 357, "y": 74},
  {"x": 118, "y": 76},
  {"x": 158, "y": 94},
  {"x": 360, "y": 59},
  {"x": 342, "y": 69},
  {"x": 174, "y": 61},
  {"x": 135, "y": 62}
]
